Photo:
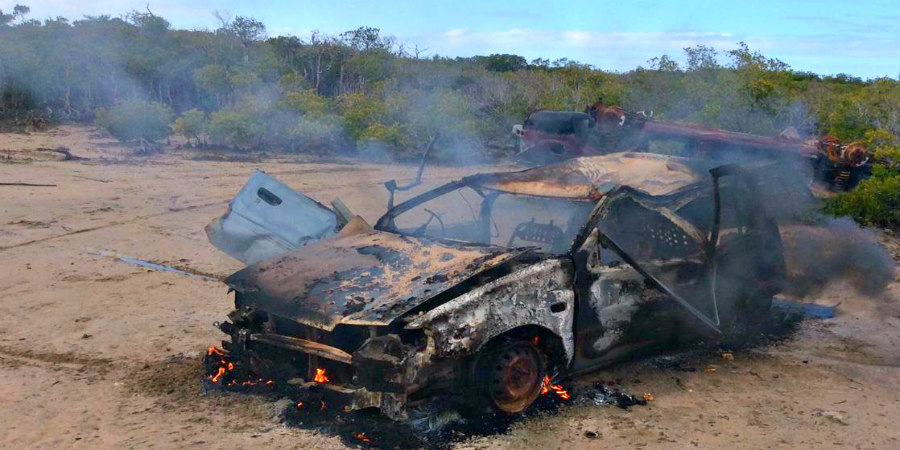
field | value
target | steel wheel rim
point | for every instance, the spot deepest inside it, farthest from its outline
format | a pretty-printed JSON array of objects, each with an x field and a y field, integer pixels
[{"x": 516, "y": 378}]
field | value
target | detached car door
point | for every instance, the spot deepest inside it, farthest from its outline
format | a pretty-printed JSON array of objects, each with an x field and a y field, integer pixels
[{"x": 268, "y": 218}]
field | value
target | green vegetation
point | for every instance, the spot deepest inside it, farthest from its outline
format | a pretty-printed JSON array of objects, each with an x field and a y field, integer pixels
[
  {"x": 133, "y": 120},
  {"x": 191, "y": 124},
  {"x": 875, "y": 201},
  {"x": 362, "y": 92}
]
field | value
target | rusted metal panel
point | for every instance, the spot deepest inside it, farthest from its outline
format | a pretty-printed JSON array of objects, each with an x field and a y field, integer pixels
[
  {"x": 303, "y": 345},
  {"x": 585, "y": 178},
  {"x": 368, "y": 278},
  {"x": 351, "y": 399},
  {"x": 685, "y": 130}
]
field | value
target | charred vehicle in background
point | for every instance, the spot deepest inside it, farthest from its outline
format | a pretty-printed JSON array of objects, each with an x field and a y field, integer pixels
[
  {"x": 549, "y": 136},
  {"x": 484, "y": 290}
]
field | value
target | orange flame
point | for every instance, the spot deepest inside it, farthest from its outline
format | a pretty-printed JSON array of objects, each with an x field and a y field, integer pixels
[
  {"x": 299, "y": 405},
  {"x": 320, "y": 376},
  {"x": 218, "y": 376},
  {"x": 226, "y": 367},
  {"x": 557, "y": 389},
  {"x": 362, "y": 438},
  {"x": 561, "y": 392},
  {"x": 323, "y": 406}
]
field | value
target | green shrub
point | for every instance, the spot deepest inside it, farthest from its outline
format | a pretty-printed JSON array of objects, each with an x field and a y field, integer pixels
[
  {"x": 306, "y": 102},
  {"x": 191, "y": 124},
  {"x": 359, "y": 111},
  {"x": 392, "y": 135},
  {"x": 886, "y": 148},
  {"x": 236, "y": 126},
  {"x": 319, "y": 134},
  {"x": 875, "y": 201},
  {"x": 133, "y": 120},
  {"x": 449, "y": 113}
]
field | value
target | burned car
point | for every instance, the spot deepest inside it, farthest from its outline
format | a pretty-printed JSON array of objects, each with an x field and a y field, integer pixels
[{"x": 483, "y": 290}]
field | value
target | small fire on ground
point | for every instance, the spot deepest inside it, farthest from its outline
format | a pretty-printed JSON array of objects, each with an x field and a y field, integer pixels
[
  {"x": 226, "y": 370},
  {"x": 361, "y": 437},
  {"x": 547, "y": 386},
  {"x": 428, "y": 429}
]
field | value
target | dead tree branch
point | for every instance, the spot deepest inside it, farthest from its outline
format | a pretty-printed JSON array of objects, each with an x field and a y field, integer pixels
[{"x": 27, "y": 184}]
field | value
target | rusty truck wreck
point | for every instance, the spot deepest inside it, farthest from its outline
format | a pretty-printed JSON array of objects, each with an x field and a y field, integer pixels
[
  {"x": 547, "y": 136},
  {"x": 477, "y": 291}
]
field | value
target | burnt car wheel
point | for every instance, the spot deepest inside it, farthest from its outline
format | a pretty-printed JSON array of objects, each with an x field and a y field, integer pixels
[{"x": 511, "y": 375}]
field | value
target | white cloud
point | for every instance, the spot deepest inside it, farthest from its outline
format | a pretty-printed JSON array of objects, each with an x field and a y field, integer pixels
[
  {"x": 578, "y": 38},
  {"x": 456, "y": 33},
  {"x": 872, "y": 53},
  {"x": 528, "y": 38},
  {"x": 625, "y": 50}
]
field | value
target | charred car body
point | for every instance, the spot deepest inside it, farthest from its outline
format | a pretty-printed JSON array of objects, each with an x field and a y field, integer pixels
[
  {"x": 548, "y": 136},
  {"x": 489, "y": 285}
]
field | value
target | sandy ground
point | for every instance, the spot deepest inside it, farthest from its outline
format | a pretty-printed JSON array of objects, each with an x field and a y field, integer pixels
[{"x": 98, "y": 353}]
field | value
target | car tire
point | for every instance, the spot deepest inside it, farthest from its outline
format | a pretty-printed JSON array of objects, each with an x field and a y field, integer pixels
[{"x": 508, "y": 375}]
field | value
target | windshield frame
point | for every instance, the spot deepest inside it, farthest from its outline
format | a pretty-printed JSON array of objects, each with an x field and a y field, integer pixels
[{"x": 386, "y": 221}]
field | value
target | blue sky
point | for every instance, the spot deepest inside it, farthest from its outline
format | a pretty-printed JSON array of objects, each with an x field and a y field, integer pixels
[{"x": 825, "y": 36}]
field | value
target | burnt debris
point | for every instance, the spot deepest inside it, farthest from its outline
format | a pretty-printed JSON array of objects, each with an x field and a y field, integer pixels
[{"x": 433, "y": 426}]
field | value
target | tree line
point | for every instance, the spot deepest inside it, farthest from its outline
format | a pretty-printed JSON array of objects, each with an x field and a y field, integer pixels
[
  {"x": 322, "y": 93},
  {"x": 362, "y": 92}
]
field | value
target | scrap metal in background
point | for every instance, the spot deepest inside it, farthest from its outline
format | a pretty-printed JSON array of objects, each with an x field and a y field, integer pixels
[{"x": 548, "y": 136}]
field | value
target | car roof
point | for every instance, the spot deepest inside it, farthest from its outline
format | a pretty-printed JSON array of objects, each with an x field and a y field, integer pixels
[{"x": 588, "y": 178}]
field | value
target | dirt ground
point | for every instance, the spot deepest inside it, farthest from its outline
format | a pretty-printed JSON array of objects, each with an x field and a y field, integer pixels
[{"x": 99, "y": 353}]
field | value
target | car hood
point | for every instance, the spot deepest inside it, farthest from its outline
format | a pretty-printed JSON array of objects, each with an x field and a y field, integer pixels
[{"x": 360, "y": 277}]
